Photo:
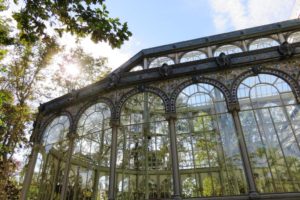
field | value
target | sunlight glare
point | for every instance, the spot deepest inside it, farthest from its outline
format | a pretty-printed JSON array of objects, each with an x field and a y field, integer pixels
[{"x": 72, "y": 70}]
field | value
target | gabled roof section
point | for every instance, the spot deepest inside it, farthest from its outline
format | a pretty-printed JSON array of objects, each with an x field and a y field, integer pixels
[
  {"x": 248, "y": 33},
  {"x": 121, "y": 77}
]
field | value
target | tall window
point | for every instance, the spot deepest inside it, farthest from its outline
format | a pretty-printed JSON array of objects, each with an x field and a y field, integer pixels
[
  {"x": 49, "y": 170},
  {"x": 209, "y": 157},
  {"x": 270, "y": 120},
  {"x": 88, "y": 177},
  {"x": 143, "y": 161},
  {"x": 158, "y": 62}
]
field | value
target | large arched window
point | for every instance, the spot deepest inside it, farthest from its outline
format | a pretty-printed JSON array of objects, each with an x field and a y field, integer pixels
[
  {"x": 90, "y": 161},
  {"x": 192, "y": 56},
  {"x": 158, "y": 62},
  {"x": 49, "y": 170},
  {"x": 262, "y": 43},
  {"x": 227, "y": 49},
  {"x": 270, "y": 120},
  {"x": 209, "y": 157},
  {"x": 143, "y": 160}
]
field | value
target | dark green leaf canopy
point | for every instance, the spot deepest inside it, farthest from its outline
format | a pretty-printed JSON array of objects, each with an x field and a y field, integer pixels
[{"x": 82, "y": 18}]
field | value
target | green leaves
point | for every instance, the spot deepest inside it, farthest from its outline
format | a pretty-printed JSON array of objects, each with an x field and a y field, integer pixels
[{"x": 83, "y": 18}]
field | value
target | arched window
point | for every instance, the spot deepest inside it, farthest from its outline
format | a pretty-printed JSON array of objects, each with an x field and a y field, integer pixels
[
  {"x": 294, "y": 37},
  {"x": 209, "y": 157},
  {"x": 143, "y": 159},
  {"x": 270, "y": 120},
  {"x": 49, "y": 170},
  {"x": 262, "y": 43},
  {"x": 91, "y": 155},
  {"x": 227, "y": 49},
  {"x": 136, "y": 68},
  {"x": 158, "y": 62},
  {"x": 192, "y": 56}
]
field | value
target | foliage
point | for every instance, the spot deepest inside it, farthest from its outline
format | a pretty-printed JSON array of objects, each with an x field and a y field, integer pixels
[
  {"x": 82, "y": 18},
  {"x": 29, "y": 50},
  {"x": 89, "y": 71},
  {"x": 17, "y": 88}
]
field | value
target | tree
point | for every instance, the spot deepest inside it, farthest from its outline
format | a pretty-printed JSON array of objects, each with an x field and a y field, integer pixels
[
  {"x": 17, "y": 86},
  {"x": 85, "y": 70},
  {"x": 82, "y": 18},
  {"x": 32, "y": 47}
]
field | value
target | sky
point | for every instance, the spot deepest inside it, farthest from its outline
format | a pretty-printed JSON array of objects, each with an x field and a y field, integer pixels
[{"x": 160, "y": 22}]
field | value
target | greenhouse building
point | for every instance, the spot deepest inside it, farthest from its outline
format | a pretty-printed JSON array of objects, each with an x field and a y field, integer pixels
[{"x": 212, "y": 118}]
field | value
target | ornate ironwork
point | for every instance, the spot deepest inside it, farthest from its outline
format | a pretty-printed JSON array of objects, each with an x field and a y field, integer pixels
[{"x": 223, "y": 60}]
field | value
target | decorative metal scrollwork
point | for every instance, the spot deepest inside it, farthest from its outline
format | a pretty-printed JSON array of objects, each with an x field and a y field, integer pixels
[
  {"x": 223, "y": 60},
  {"x": 256, "y": 69},
  {"x": 141, "y": 88},
  {"x": 165, "y": 70},
  {"x": 286, "y": 50},
  {"x": 113, "y": 80}
]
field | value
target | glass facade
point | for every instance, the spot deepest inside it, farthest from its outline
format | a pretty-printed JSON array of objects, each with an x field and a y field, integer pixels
[
  {"x": 143, "y": 160},
  {"x": 198, "y": 131},
  {"x": 49, "y": 169},
  {"x": 209, "y": 157},
  {"x": 270, "y": 120}
]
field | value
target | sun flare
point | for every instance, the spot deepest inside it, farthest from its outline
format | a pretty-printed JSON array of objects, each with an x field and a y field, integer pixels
[{"x": 71, "y": 70}]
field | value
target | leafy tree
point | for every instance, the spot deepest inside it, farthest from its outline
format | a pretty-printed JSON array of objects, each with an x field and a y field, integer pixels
[
  {"x": 82, "y": 18},
  {"x": 88, "y": 70},
  {"x": 17, "y": 86}
]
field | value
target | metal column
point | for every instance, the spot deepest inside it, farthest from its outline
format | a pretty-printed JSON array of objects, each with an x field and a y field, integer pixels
[
  {"x": 29, "y": 171},
  {"x": 246, "y": 162},
  {"x": 171, "y": 118},
  {"x": 113, "y": 157}
]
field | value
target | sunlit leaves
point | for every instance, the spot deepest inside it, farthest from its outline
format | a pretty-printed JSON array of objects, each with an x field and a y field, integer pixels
[{"x": 83, "y": 18}]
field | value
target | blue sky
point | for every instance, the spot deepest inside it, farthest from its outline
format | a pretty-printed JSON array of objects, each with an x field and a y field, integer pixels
[{"x": 159, "y": 22}]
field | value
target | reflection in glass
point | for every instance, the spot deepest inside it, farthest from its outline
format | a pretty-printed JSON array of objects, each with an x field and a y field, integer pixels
[
  {"x": 269, "y": 118},
  {"x": 89, "y": 173},
  {"x": 192, "y": 56},
  {"x": 209, "y": 157},
  {"x": 158, "y": 62},
  {"x": 49, "y": 169},
  {"x": 262, "y": 43},
  {"x": 143, "y": 159},
  {"x": 227, "y": 49}
]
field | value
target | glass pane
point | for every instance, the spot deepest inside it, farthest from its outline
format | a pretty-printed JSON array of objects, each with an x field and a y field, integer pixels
[
  {"x": 208, "y": 152},
  {"x": 270, "y": 133},
  {"x": 294, "y": 37},
  {"x": 263, "y": 43},
  {"x": 227, "y": 49},
  {"x": 143, "y": 158},
  {"x": 192, "y": 56},
  {"x": 158, "y": 62}
]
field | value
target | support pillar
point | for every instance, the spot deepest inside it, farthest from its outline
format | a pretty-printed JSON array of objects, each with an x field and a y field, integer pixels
[
  {"x": 67, "y": 166},
  {"x": 29, "y": 171},
  {"x": 281, "y": 38},
  {"x": 171, "y": 118},
  {"x": 253, "y": 194},
  {"x": 210, "y": 52},
  {"x": 244, "y": 45},
  {"x": 113, "y": 158},
  {"x": 95, "y": 184}
]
